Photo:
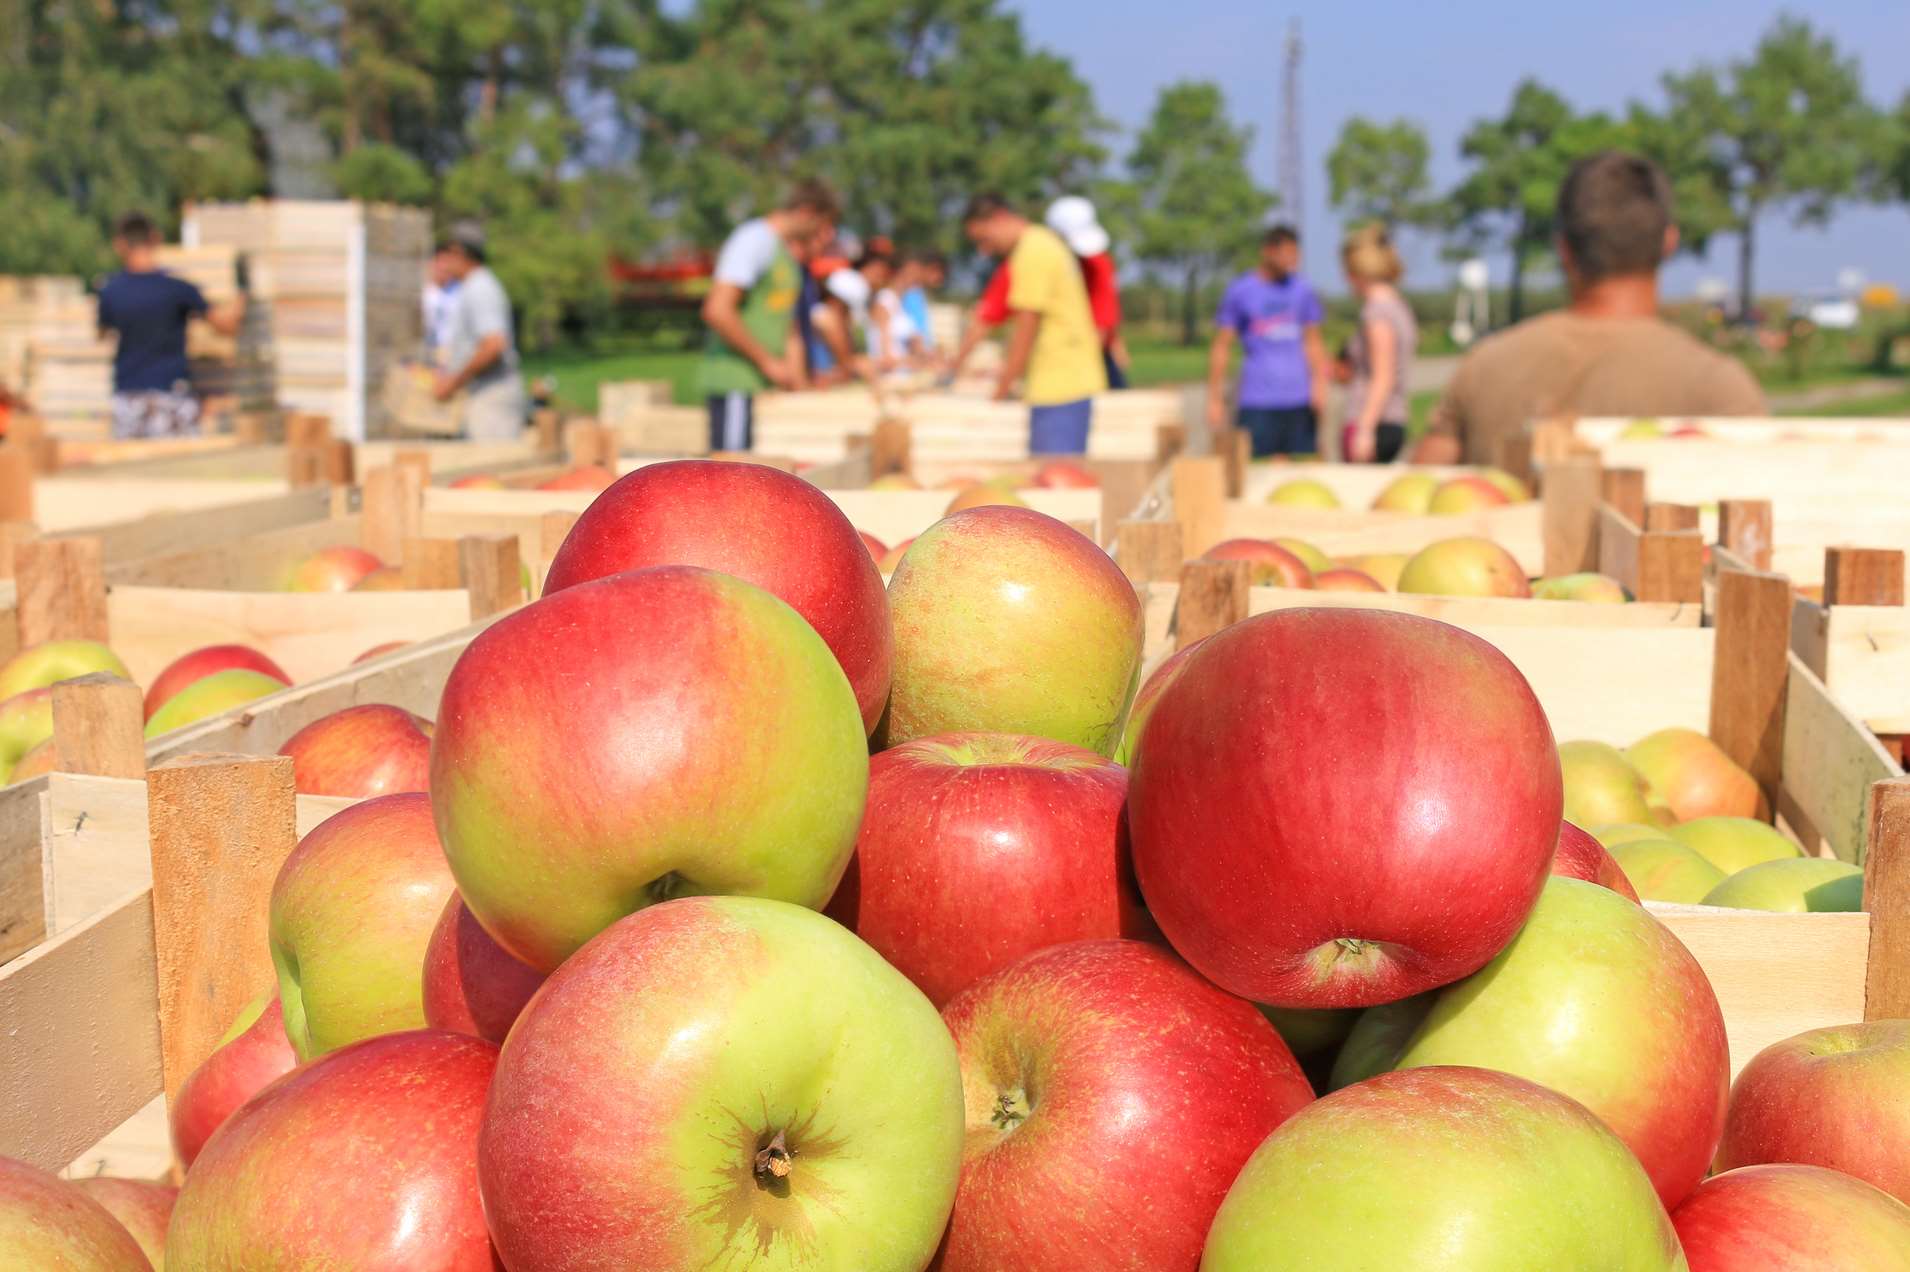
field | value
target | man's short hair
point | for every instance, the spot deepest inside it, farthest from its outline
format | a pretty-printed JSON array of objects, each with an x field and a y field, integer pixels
[
  {"x": 1279, "y": 235},
  {"x": 983, "y": 206},
  {"x": 468, "y": 237},
  {"x": 136, "y": 229},
  {"x": 1613, "y": 211},
  {"x": 812, "y": 195}
]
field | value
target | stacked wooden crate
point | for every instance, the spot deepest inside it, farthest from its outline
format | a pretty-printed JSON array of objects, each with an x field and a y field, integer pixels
[
  {"x": 342, "y": 282},
  {"x": 30, "y": 307},
  {"x": 50, "y": 347},
  {"x": 816, "y": 427},
  {"x": 231, "y": 372}
]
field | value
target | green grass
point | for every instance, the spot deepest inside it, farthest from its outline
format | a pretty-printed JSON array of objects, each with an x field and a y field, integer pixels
[
  {"x": 578, "y": 370},
  {"x": 1165, "y": 362},
  {"x": 1881, "y": 404}
]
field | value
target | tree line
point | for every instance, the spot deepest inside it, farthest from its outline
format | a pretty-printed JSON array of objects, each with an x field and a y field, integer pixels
[{"x": 580, "y": 128}]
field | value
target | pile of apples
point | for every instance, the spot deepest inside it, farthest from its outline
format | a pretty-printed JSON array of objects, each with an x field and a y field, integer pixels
[
  {"x": 1685, "y": 824},
  {"x": 758, "y": 916}
]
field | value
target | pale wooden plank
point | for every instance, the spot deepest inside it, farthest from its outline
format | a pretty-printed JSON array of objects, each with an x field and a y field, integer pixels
[
  {"x": 1750, "y": 666},
  {"x": 1569, "y": 516},
  {"x": 60, "y": 591},
  {"x": 1830, "y": 762},
  {"x": 98, "y": 726}
]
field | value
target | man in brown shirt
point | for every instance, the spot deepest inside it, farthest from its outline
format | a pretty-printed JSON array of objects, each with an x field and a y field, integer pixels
[{"x": 1608, "y": 352}]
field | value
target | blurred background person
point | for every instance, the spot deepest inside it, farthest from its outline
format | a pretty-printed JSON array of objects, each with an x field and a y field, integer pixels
[
  {"x": 1379, "y": 354},
  {"x": 438, "y": 302},
  {"x": 481, "y": 346},
  {"x": 919, "y": 278},
  {"x": 1075, "y": 220},
  {"x": 149, "y": 309},
  {"x": 1274, "y": 314}
]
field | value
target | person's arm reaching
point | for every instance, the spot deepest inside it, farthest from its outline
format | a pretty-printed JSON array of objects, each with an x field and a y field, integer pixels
[
  {"x": 722, "y": 310},
  {"x": 1441, "y": 443},
  {"x": 1021, "y": 343},
  {"x": 1382, "y": 342},
  {"x": 489, "y": 349},
  {"x": 1319, "y": 367},
  {"x": 1219, "y": 355},
  {"x": 225, "y": 318}
]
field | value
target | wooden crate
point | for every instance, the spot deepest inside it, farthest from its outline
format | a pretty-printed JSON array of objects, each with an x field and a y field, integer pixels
[{"x": 817, "y": 426}]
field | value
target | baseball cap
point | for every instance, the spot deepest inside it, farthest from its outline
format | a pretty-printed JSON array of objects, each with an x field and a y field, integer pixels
[{"x": 1074, "y": 219}]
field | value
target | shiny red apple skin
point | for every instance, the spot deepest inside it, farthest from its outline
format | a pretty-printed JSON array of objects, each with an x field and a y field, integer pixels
[
  {"x": 226, "y": 1079},
  {"x": 1580, "y": 856},
  {"x": 1112, "y": 1095},
  {"x": 764, "y": 526},
  {"x": 471, "y": 985},
  {"x": 1343, "y": 807},
  {"x": 364, "y": 1159},
  {"x": 979, "y": 848},
  {"x": 361, "y": 752},
  {"x": 187, "y": 668},
  {"x": 1792, "y": 1219},
  {"x": 1836, "y": 1097}
]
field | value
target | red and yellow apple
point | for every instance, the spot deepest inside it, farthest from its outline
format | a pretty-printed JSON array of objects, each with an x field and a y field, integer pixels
[
  {"x": 1594, "y": 589},
  {"x": 1270, "y": 564},
  {"x": 1064, "y": 474},
  {"x": 200, "y": 663},
  {"x": 1464, "y": 567},
  {"x": 1303, "y": 492},
  {"x": 1580, "y": 856},
  {"x": 1793, "y": 885},
  {"x": 253, "y": 1053},
  {"x": 1735, "y": 843},
  {"x": 212, "y": 695},
  {"x": 143, "y": 1208},
  {"x": 26, "y": 725},
  {"x": 1460, "y": 495},
  {"x": 1342, "y": 579},
  {"x": 49, "y": 1225},
  {"x": 471, "y": 984},
  {"x": 1601, "y": 787},
  {"x": 1316, "y": 560},
  {"x": 984, "y": 494},
  {"x": 52, "y": 661},
  {"x": 1666, "y": 870},
  {"x": 877, "y": 548},
  {"x": 1409, "y": 492},
  {"x": 1688, "y": 773},
  {"x": 478, "y": 481},
  {"x": 334, "y": 569},
  {"x": 1792, "y": 1219},
  {"x": 361, "y": 752},
  {"x": 587, "y": 477},
  {"x": 893, "y": 557}
]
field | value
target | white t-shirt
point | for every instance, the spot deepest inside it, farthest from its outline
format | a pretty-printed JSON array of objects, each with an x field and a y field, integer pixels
[
  {"x": 852, "y": 289},
  {"x": 901, "y": 326},
  {"x": 747, "y": 254}
]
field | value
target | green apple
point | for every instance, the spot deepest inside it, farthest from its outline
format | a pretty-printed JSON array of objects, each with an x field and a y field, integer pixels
[
  {"x": 1303, "y": 492},
  {"x": 1625, "y": 832},
  {"x": 1734, "y": 843},
  {"x": 1600, "y": 787},
  {"x": 353, "y": 909},
  {"x": 26, "y": 721},
  {"x": 1411, "y": 493},
  {"x": 1442, "y": 1170},
  {"x": 723, "y": 1082},
  {"x": 210, "y": 696},
  {"x": 1590, "y": 588},
  {"x": 51, "y": 661},
  {"x": 1665, "y": 870},
  {"x": 1316, "y": 560},
  {"x": 1008, "y": 621},
  {"x": 1377, "y": 1038},
  {"x": 1793, "y": 885}
]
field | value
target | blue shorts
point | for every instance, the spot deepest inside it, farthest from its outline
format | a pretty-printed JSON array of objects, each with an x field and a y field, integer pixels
[
  {"x": 1061, "y": 429},
  {"x": 1280, "y": 430}
]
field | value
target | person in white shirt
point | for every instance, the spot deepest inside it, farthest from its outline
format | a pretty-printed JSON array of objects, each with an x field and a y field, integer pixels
[{"x": 440, "y": 302}]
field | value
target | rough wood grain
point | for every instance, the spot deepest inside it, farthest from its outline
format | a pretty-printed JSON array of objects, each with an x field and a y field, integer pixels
[
  {"x": 1671, "y": 566},
  {"x": 337, "y": 463},
  {"x": 889, "y": 447},
  {"x": 430, "y": 563},
  {"x": 24, "y": 900},
  {"x": 414, "y": 457},
  {"x": 1670, "y": 516},
  {"x": 1887, "y": 899},
  {"x": 1863, "y": 576},
  {"x": 1624, "y": 489},
  {"x": 61, "y": 590},
  {"x": 1749, "y": 673},
  {"x": 1149, "y": 551},
  {"x": 1569, "y": 498},
  {"x": 1744, "y": 528},
  {"x": 99, "y": 725},
  {"x": 221, "y": 826},
  {"x": 490, "y": 566},
  {"x": 11, "y": 534},
  {"x": 1235, "y": 448},
  {"x": 1515, "y": 457},
  {"x": 1213, "y": 595}
]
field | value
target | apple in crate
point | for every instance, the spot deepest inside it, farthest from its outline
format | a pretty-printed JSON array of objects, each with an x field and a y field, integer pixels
[
  {"x": 49, "y": 1225},
  {"x": 361, "y": 752},
  {"x": 1270, "y": 565},
  {"x": 1303, "y": 492},
  {"x": 1008, "y": 621},
  {"x": 1829, "y": 1097},
  {"x": 1345, "y": 579},
  {"x": 1064, "y": 474},
  {"x": 695, "y": 736},
  {"x": 1341, "y": 807},
  {"x": 877, "y": 548},
  {"x": 1314, "y": 559},
  {"x": 1443, "y": 1170},
  {"x": 1691, "y": 775},
  {"x": 26, "y": 726},
  {"x": 1593, "y": 589},
  {"x": 1464, "y": 567},
  {"x": 984, "y": 494},
  {"x": 1409, "y": 492},
  {"x": 253, "y": 1053},
  {"x": 364, "y": 1159},
  {"x": 353, "y": 908},
  {"x": 760, "y": 524},
  {"x": 721, "y": 1082},
  {"x": 52, "y": 661},
  {"x": 1112, "y": 1095},
  {"x": 1601, "y": 786},
  {"x": 200, "y": 663},
  {"x": 1597, "y": 1000},
  {"x": 1735, "y": 843},
  {"x": 1665, "y": 870},
  {"x": 1462, "y": 495},
  {"x": 143, "y": 1208},
  {"x": 211, "y": 696},
  {"x": 471, "y": 984},
  {"x": 1794, "y": 885},
  {"x": 478, "y": 481},
  {"x": 1580, "y": 856},
  {"x": 978, "y": 848},
  {"x": 334, "y": 569},
  {"x": 1792, "y": 1219},
  {"x": 586, "y": 477}
]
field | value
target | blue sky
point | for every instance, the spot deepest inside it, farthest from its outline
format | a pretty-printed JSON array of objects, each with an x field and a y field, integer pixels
[{"x": 1445, "y": 63}]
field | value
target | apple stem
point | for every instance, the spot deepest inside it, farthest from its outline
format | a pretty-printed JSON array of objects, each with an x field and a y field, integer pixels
[{"x": 774, "y": 1159}]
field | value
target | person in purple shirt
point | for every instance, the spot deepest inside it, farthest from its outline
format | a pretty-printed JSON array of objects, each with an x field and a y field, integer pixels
[{"x": 1275, "y": 315}]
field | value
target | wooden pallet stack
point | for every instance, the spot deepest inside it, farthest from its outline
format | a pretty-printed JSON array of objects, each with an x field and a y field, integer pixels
[
  {"x": 231, "y": 372},
  {"x": 342, "y": 281},
  {"x": 50, "y": 348},
  {"x": 816, "y": 427},
  {"x": 31, "y": 307}
]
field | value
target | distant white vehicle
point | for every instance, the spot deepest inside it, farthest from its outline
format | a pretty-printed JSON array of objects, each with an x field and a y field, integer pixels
[{"x": 1828, "y": 311}]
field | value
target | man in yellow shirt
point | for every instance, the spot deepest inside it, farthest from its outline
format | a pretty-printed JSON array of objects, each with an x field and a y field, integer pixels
[{"x": 1052, "y": 337}]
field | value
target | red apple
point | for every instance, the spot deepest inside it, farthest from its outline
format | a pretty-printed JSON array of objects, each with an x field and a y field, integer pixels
[
  {"x": 1580, "y": 856},
  {"x": 253, "y": 1053},
  {"x": 1341, "y": 807},
  {"x": 1688, "y": 773},
  {"x": 760, "y": 524},
  {"x": 984, "y": 494},
  {"x": 651, "y": 734},
  {"x": 364, "y": 1159},
  {"x": 361, "y": 752},
  {"x": 1792, "y": 1219},
  {"x": 478, "y": 481},
  {"x": 1466, "y": 494},
  {"x": 593, "y": 477},
  {"x": 877, "y": 548},
  {"x": 187, "y": 668},
  {"x": 1828, "y": 1097},
  {"x": 1344, "y": 579},
  {"x": 386, "y": 578},
  {"x": 48, "y": 1225},
  {"x": 143, "y": 1209},
  {"x": 1112, "y": 1096},
  {"x": 978, "y": 848},
  {"x": 1273, "y": 565},
  {"x": 471, "y": 985},
  {"x": 1064, "y": 474},
  {"x": 335, "y": 569},
  {"x": 1144, "y": 701},
  {"x": 379, "y": 651}
]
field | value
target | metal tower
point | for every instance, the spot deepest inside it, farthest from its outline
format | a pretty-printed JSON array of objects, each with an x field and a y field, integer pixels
[{"x": 1288, "y": 160}]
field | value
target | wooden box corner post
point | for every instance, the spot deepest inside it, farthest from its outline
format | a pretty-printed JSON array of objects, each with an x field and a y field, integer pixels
[
  {"x": 393, "y": 511},
  {"x": 1744, "y": 530},
  {"x": 1887, "y": 899},
  {"x": 1749, "y": 673},
  {"x": 1198, "y": 487},
  {"x": 1213, "y": 595},
  {"x": 99, "y": 726},
  {"x": 1863, "y": 576},
  {"x": 1149, "y": 551},
  {"x": 1568, "y": 514},
  {"x": 60, "y": 590},
  {"x": 891, "y": 448},
  {"x": 490, "y": 568},
  {"x": 220, "y": 826}
]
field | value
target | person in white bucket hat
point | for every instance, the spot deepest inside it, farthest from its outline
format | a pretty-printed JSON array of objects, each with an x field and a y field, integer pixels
[{"x": 1074, "y": 219}]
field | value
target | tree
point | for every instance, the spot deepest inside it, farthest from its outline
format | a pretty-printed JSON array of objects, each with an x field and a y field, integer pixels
[
  {"x": 1787, "y": 129},
  {"x": 1895, "y": 173},
  {"x": 1192, "y": 204},
  {"x": 907, "y": 109},
  {"x": 1378, "y": 172}
]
